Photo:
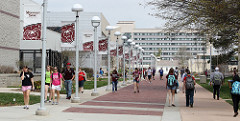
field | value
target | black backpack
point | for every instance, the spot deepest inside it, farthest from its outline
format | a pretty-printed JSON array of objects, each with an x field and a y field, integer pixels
[{"x": 189, "y": 83}]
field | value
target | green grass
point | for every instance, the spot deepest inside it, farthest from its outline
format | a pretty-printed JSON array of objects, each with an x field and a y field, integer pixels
[{"x": 6, "y": 99}]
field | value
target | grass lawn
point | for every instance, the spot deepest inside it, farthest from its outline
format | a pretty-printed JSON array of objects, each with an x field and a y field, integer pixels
[
  {"x": 224, "y": 92},
  {"x": 6, "y": 99}
]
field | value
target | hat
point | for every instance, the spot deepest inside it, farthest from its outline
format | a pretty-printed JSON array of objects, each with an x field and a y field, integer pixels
[
  {"x": 68, "y": 63},
  {"x": 216, "y": 69}
]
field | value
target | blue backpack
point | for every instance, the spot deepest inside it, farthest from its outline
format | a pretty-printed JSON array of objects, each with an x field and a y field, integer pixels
[
  {"x": 171, "y": 80},
  {"x": 236, "y": 88}
]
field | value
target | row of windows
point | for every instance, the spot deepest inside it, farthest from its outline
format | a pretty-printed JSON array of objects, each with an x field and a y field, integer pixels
[
  {"x": 187, "y": 44},
  {"x": 172, "y": 39},
  {"x": 166, "y": 34},
  {"x": 146, "y": 63},
  {"x": 175, "y": 49},
  {"x": 164, "y": 53}
]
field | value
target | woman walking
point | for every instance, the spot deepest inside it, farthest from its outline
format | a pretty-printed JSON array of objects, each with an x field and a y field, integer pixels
[
  {"x": 48, "y": 84},
  {"x": 136, "y": 77},
  {"x": 82, "y": 78},
  {"x": 115, "y": 78},
  {"x": 56, "y": 80},
  {"x": 27, "y": 85},
  {"x": 171, "y": 86},
  {"x": 235, "y": 87}
]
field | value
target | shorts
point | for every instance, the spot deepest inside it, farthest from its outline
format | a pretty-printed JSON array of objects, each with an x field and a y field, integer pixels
[
  {"x": 25, "y": 88},
  {"x": 137, "y": 81},
  {"x": 47, "y": 84},
  {"x": 58, "y": 88},
  {"x": 153, "y": 74},
  {"x": 80, "y": 83},
  {"x": 172, "y": 88},
  {"x": 149, "y": 77},
  {"x": 161, "y": 74}
]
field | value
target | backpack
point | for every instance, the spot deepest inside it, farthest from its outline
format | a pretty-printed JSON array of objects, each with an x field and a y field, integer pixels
[
  {"x": 189, "y": 82},
  {"x": 217, "y": 79},
  {"x": 236, "y": 88},
  {"x": 171, "y": 80}
]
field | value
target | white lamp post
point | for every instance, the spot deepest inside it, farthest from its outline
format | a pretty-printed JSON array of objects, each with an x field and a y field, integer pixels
[
  {"x": 109, "y": 29},
  {"x": 124, "y": 38},
  {"x": 152, "y": 60},
  {"x": 42, "y": 110},
  {"x": 136, "y": 61},
  {"x": 77, "y": 8},
  {"x": 117, "y": 34},
  {"x": 142, "y": 50},
  {"x": 131, "y": 57},
  {"x": 139, "y": 59},
  {"x": 95, "y": 23},
  {"x": 129, "y": 41}
]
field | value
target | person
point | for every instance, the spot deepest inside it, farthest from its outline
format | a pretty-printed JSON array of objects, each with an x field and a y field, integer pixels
[
  {"x": 115, "y": 78},
  {"x": 171, "y": 86},
  {"x": 182, "y": 71},
  {"x": 144, "y": 73},
  {"x": 217, "y": 80},
  {"x": 176, "y": 72},
  {"x": 101, "y": 72},
  {"x": 235, "y": 95},
  {"x": 27, "y": 85},
  {"x": 153, "y": 73},
  {"x": 68, "y": 76},
  {"x": 184, "y": 75},
  {"x": 161, "y": 74},
  {"x": 136, "y": 80},
  {"x": 206, "y": 73},
  {"x": 48, "y": 84},
  {"x": 56, "y": 80},
  {"x": 81, "y": 78},
  {"x": 189, "y": 86},
  {"x": 149, "y": 73}
]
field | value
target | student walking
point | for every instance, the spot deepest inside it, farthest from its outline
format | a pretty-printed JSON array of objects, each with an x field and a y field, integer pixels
[
  {"x": 27, "y": 85},
  {"x": 136, "y": 80},
  {"x": 56, "y": 80},
  {"x": 182, "y": 71},
  {"x": 189, "y": 85},
  {"x": 149, "y": 73},
  {"x": 101, "y": 72},
  {"x": 171, "y": 86},
  {"x": 115, "y": 78},
  {"x": 217, "y": 80},
  {"x": 68, "y": 76},
  {"x": 161, "y": 74},
  {"x": 235, "y": 92},
  {"x": 81, "y": 78},
  {"x": 153, "y": 73},
  {"x": 48, "y": 84}
]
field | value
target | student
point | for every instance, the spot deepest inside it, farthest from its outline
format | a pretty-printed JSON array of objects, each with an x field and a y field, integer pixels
[
  {"x": 171, "y": 86},
  {"x": 149, "y": 73},
  {"x": 81, "y": 78},
  {"x": 68, "y": 76},
  {"x": 115, "y": 78},
  {"x": 48, "y": 84},
  {"x": 56, "y": 80},
  {"x": 161, "y": 74},
  {"x": 27, "y": 85},
  {"x": 189, "y": 85},
  {"x": 217, "y": 80},
  {"x": 136, "y": 80},
  {"x": 182, "y": 71},
  {"x": 235, "y": 93},
  {"x": 153, "y": 73},
  {"x": 101, "y": 72},
  {"x": 176, "y": 72}
]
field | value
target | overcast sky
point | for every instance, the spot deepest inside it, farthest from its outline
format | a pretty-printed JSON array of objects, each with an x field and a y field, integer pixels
[{"x": 113, "y": 10}]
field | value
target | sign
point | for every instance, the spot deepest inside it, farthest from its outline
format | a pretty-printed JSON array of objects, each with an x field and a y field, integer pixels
[
  {"x": 32, "y": 32},
  {"x": 68, "y": 33},
  {"x": 88, "y": 46}
]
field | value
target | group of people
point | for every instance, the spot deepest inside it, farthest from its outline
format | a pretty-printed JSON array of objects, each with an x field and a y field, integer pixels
[{"x": 53, "y": 82}]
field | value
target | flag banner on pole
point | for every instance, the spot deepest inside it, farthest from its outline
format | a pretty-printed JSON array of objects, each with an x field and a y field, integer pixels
[
  {"x": 32, "y": 32},
  {"x": 88, "y": 46},
  {"x": 68, "y": 33},
  {"x": 113, "y": 52},
  {"x": 135, "y": 58},
  {"x": 120, "y": 50},
  {"x": 126, "y": 55},
  {"x": 113, "y": 45},
  {"x": 103, "y": 45}
]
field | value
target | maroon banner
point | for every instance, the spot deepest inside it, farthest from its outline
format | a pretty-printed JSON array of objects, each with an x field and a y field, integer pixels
[
  {"x": 103, "y": 45},
  {"x": 126, "y": 55},
  {"x": 135, "y": 57},
  {"x": 32, "y": 32},
  {"x": 138, "y": 55},
  {"x": 68, "y": 33},
  {"x": 113, "y": 52},
  {"x": 120, "y": 50},
  {"x": 88, "y": 46}
]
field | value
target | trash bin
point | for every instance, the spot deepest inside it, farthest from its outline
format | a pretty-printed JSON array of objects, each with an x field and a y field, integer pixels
[{"x": 203, "y": 79}]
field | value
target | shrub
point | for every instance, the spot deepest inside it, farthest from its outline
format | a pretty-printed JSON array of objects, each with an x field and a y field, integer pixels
[{"x": 37, "y": 85}]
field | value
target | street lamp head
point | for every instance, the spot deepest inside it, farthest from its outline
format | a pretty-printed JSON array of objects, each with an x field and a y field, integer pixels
[
  {"x": 124, "y": 37},
  {"x": 129, "y": 41},
  {"x": 140, "y": 48},
  {"x": 77, "y": 8},
  {"x": 117, "y": 33},
  {"x": 152, "y": 55},
  {"x": 95, "y": 21},
  {"x": 132, "y": 43},
  {"x": 136, "y": 46},
  {"x": 109, "y": 28}
]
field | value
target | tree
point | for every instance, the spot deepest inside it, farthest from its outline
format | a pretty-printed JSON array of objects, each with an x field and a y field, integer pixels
[
  {"x": 158, "y": 54},
  {"x": 183, "y": 55}
]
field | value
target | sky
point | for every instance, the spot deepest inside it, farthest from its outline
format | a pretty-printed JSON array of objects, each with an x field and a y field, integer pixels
[{"x": 113, "y": 10}]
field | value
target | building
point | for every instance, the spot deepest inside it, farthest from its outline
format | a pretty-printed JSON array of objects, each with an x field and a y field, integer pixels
[{"x": 9, "y": 33}]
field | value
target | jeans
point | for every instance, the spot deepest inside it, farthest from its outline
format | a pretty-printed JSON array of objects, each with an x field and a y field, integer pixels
[
  {"x": 68, "y": 86},
  {"x": 216, "y": 89},
  {"x": 189, "y": 96},
  {"x": 235, "y": 99},
  {"x": 114, "y": 85}
]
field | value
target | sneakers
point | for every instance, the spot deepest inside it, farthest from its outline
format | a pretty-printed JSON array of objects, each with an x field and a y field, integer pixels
[
  {"x": 138, "y": 91},
  {"x": 55, "y": 103},
  {"x": 26, "y": 107},
  {"x": 235, "y": 114},
  {"x": 45, "y": 101},
  {"x": 68, "y": 98},
  {"x": 50, "y": 101},
  {"x": 173, "y": 105},
  {"x": 191, "y": 105}
]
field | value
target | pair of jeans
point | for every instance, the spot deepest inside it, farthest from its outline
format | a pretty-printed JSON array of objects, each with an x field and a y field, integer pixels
[
  {"x": 235, "y": 99},
  {"x": 68, "y": 87},
  {"x": 216, "y": 89},
  {"x": 114, "y": 85},
  {"x": 189, "y": 96}
]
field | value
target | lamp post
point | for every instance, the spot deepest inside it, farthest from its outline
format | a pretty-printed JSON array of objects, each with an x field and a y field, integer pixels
[
  {"x": 109, "y": 29},
  {"x": 95, "y": 23},
  {"x": 117, "y": 34},
  {"x": 124, "y": 38},
  {"x": 42, "y": 110},
  {"x": 136, "y": 61},
  {"x": 131, "y": 58},
  {"x": 139, "y": 59},
  {"x": 77, "y": 8},
  {"x": 129, "y": 41},
  {"x": 152, "y": 60},
  {"x": 142, "y": 50}
]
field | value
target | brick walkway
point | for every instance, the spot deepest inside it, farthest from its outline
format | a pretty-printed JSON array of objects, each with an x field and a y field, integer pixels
[{"x": 150, "y": 101}]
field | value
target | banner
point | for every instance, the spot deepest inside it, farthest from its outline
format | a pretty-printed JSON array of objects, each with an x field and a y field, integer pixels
[
  {"x": 113, "y": 52},
  {"x": 88, "y": 46},
  {"x": 68, "y": 33},
  {"x": 126, "y": 55},
  {"x": 120, "y": 50},
  {"x": 103, "y": 45},
  {"x": 32, "y": 32}
]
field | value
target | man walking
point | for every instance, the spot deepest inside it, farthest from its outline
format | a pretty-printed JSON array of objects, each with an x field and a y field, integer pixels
[
  {"x": 217, "y": 80},
  {"x": 68, "y": 76},
  {"x": 189, "y": 85},
  {"x": 161, "y": 73}
]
